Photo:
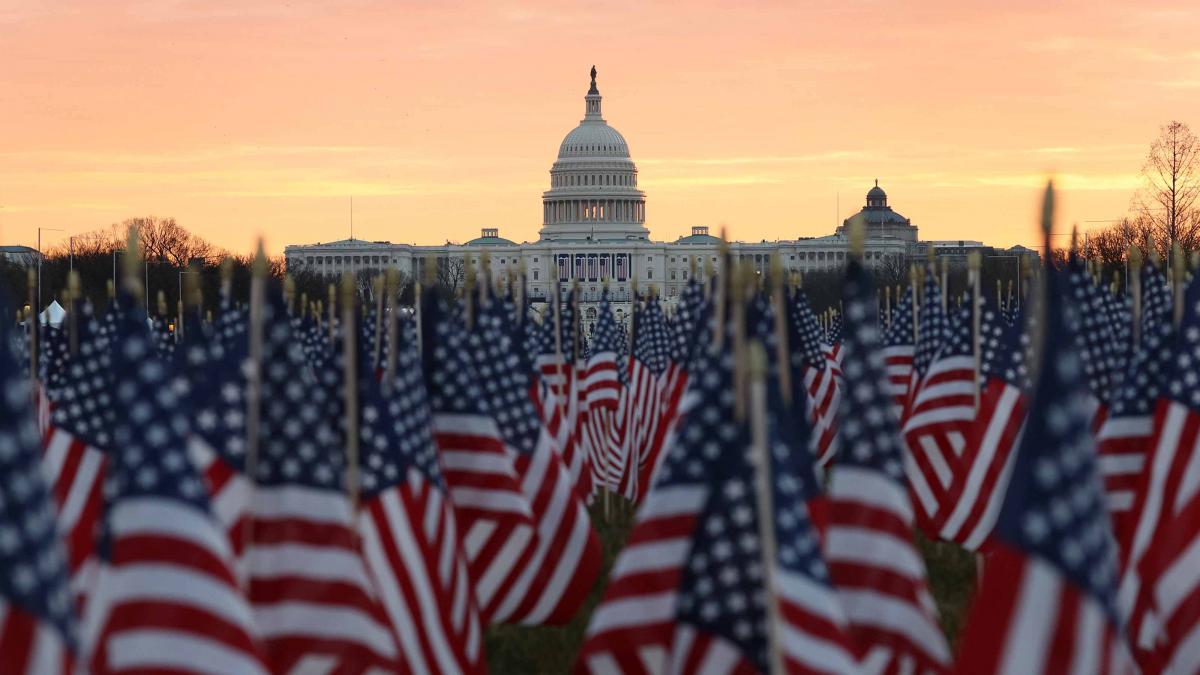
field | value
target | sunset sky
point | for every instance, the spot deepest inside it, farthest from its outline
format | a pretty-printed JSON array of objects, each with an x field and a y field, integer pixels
[{"x": 248, "y": 117}]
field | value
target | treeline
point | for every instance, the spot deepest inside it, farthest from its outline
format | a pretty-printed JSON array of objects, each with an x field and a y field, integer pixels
[{"x": 171, "y": 253}]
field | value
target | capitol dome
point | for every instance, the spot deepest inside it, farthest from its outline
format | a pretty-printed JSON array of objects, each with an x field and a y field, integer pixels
[
  {"x": 879, "y": 220},
  {"x": 593, "y": 191},
  {"x": 593, "y": 138}
]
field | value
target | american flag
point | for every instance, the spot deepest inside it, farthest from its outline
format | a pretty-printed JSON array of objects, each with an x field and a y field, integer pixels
[
  {"x": 1047, "y": 600},
  {"x": 558, "y": 567},
  {"x": 493, "y": 513},
  {"x": 898, "y": 353},
  {"x": 1160, "y": 584},
  {"x": 1124, "y": 437},
  {"x": 605, "y": 377},
  {"x": 634, "y": 628},
  {"x": 74, "y": 448},
  {"x": 813, "y": 376},
  {"x": 215, "y": 367},
  {"x": 563, "y": 404},
  {"x": 812, "y": 632},
  {"x": 1097, "y": 343},
  {"x": 976, "y": 493},
  {"x": 670, "y": 384},
  {"x": 934, "y": 333},
  {"x": 165, "y": 597},
  {"x": 37, "y": 631},
  {"x": 691, "y": 322},
  {"x": 410, "y": 539},
  {"x": 312, "y": 597},
  {"x": 940, "y": 411},
  {"x": 877, "y": 570}
]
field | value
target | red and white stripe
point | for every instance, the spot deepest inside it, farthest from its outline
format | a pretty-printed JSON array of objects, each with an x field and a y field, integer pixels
[
  {"x": 1173, "y": 567},
  {"x": 75, "y": 472},
  {"x": 1123, "y": 443},
  {"x": 43, "y": 407},
  {"x": 977, "y": 492},
  {"x": 564, "y": 418},
  {"x": 489, "y": 504},
  {"x": 297, "y": 555},
  {"x": 601, "y": 389},
  {"x": 671, "y": 390},
  {"x": 1028, "y": 619},
  {"x": 640, "y": 411},
  {"x": 812, "y": 627},
  {"x": 879, "y": 575},
  {"x": 939, "y": 416},
  {"x": 411, "y": 545},
  {"x": 166, "y": 599},
  {"x": 556, "y": 570},
  {"x": 313, "y": 600},
  {"x": 30, "y": 646},
  {"x": 824, "y": 397},
  {"x": 898, "y": 365},
  {"x": 834, "y": 355},
  {"x": 1166, "y": 525},
  {"x": 633, "y": 629},
  {"x": 698, "y": 651}
]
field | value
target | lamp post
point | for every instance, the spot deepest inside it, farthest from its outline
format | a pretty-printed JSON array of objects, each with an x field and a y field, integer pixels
[{"x": 38, "y": 309}]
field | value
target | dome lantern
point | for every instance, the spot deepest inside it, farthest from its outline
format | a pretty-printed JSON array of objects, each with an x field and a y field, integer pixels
[
  {"x": 592, "y": 101},
  {"x": 876, "y": 197}
]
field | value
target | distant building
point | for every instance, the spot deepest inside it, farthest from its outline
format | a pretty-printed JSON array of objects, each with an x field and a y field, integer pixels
[
  {"x": 19, "y": 255},
  {"x": 594, "y": 229}
]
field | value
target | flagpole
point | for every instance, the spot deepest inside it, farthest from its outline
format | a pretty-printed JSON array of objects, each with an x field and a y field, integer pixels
[
  {"x": 32, "y": 327},
  {"x": 782, "y": 361},
  {"x": 350, "y": 391},
  {"x": 913, "y": 273},
  {"x": 254, "y": 382},
  {"x": 392, "y": 288},
  {"x": 378, "y": 287},
  {"x": 74, "y": 293},
  {"x": 973, "y": 264},
  {"x": 761, "y": 459},
  {"x": 1038, "y": 330},
  {"x": 1135, "y": 290},
  {"x": 723, "y": 282},
  {"x": 887, "y": 306},
  {"x": 332, "y": 309},
  {"x": 945, "y": 284},
  {"x": 1178, "y": 270}
]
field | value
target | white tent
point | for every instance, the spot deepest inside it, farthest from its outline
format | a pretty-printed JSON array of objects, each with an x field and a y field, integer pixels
[{"x": 53, "y": 314}]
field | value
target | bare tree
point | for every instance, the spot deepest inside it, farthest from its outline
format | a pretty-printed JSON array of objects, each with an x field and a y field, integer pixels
[
  {"x": 451, "y": 274},
  {"x": 1167, "y": 203}
]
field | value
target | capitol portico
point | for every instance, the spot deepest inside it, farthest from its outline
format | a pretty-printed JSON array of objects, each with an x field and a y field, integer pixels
[{"x": 594, "y": 228}]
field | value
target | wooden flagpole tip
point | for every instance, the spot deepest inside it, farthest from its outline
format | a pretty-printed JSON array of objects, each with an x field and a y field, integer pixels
[{"x": 1048, "y": 209}]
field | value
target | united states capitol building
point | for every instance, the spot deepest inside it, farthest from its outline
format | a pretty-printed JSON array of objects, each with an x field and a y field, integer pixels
[{"x": 594, "y": 229}]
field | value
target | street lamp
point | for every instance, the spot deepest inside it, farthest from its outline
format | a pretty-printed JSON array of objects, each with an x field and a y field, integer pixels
[{"x": 39, "y": 274}]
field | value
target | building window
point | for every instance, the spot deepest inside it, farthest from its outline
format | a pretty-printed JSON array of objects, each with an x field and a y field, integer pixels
[
  {"x": 672, "y": 275},
  {"x": 649, "y": 273},
  {"x": 535, "y": 275}
]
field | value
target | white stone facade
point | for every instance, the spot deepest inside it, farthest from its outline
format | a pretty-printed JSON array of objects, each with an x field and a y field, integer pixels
[{"x": 594, "y": 228}]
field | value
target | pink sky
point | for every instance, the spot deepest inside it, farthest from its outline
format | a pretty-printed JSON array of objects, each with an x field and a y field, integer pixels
[{"x": 248, "y": 117}]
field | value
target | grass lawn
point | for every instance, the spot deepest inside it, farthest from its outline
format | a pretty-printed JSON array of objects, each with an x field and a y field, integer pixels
[{"x": 518, "y": 650}]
